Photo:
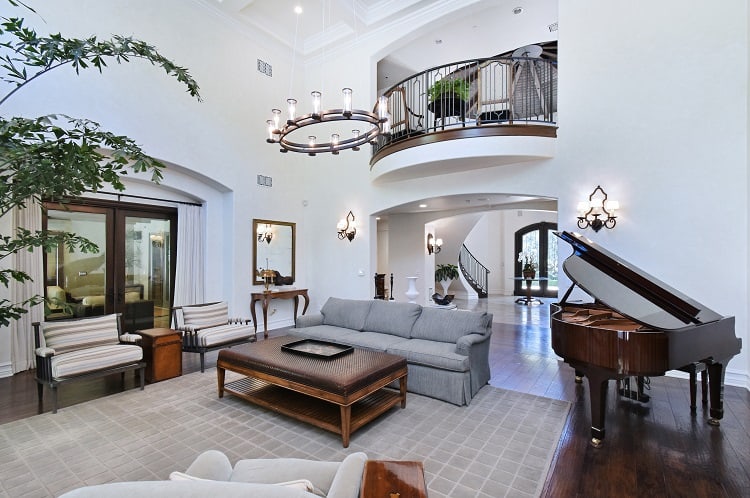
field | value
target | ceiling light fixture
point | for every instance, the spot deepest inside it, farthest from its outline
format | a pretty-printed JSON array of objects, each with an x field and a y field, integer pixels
[{"x": 302, "y": 133}]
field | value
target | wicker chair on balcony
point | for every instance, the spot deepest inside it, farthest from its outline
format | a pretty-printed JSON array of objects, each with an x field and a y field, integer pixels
[{"x": 208, "y": 327}]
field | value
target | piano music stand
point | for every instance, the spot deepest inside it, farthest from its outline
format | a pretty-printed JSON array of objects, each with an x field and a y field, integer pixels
[{"x": 528, "y": 300}]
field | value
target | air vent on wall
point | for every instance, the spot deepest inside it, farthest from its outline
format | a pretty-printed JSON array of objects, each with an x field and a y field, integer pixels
[
  {"x": 265, "y": 181},
  {"x": 265, "y": 68}
]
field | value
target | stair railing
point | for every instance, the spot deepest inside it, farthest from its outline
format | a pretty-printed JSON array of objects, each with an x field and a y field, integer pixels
[{"x": 475, "y": 272}]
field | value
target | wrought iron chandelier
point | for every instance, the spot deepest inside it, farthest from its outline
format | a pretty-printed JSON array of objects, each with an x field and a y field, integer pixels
[
  {"x": 322, "y": 131},
  {"x": 329, "y": 123}
]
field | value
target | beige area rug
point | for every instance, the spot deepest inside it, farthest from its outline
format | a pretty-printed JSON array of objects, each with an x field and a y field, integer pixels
[{"x": 500, "y": 445}]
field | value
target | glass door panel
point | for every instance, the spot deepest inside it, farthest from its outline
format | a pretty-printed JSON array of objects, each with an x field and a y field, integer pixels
[
  {"x": 147, "y": 278},
  {"x": 551, "y": 261},
  {"x": 78, "y": 283}
]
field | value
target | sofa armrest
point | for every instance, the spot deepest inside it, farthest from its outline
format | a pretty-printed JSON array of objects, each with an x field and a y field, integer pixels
[
  {"x": 211, "y": 464},
  {"x": 465, "y": 343},
  {"x": 309, "y": 320},
  {"x": 348, "y": 478}
]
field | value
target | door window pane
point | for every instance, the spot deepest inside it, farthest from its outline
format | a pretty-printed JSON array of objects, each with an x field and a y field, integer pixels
[
  {"x": 76, "y": 281},
  {"x": 551, "y": 260}
]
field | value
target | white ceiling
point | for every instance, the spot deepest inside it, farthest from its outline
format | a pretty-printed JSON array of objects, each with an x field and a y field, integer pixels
[{"x": 444, "y": 31}]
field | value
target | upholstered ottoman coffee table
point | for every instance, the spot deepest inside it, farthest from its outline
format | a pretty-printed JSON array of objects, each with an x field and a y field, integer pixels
[{"x": 339, "y": 394}]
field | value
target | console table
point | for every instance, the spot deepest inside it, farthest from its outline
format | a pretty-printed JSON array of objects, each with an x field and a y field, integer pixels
[{"x": 265, "y": 298}]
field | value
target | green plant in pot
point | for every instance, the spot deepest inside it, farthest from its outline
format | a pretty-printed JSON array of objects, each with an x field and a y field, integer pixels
[
  {"x": 447, "y": 86},
  {"x": 445, "y": 274}
]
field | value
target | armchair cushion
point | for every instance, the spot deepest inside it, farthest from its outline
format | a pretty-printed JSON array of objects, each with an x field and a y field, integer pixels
[
  {"x": 94, "y": 358},
  {"x": 223, "y": 333},
  {"x": 69, "y": 335},
  {"x": 209, "y": 315}
]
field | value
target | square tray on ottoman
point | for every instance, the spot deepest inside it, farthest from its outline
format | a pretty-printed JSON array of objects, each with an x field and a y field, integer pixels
[{"x": 338, "y": 394}]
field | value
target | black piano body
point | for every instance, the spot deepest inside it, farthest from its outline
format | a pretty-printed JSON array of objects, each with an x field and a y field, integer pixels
[{"x": 637, "y": 327}]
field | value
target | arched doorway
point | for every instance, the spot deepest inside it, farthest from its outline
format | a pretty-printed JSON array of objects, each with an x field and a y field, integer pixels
[{"x": 538, "y": 239}]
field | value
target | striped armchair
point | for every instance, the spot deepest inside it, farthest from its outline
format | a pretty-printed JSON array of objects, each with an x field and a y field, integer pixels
[
  {"x": 89, "y": 347},
  {"x": 207, "y": 327}
]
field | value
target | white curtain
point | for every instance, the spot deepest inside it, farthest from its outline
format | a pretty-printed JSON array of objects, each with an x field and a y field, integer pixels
[
  {"x": 189, "y": 279},
  {"x": 21, "y": 331}
]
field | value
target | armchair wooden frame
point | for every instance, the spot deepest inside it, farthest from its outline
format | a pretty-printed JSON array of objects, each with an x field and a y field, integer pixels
[
  {"x": 191, "y": 337},
  {"x": 44, "y": 374}
]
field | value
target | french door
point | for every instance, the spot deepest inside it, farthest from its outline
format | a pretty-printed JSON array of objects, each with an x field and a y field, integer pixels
[
  {"x": 539, "y": 240},
  {"x": 131, "y": 273}
]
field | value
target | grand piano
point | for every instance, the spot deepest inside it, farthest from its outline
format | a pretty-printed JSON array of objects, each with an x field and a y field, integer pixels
[{"x": 637, "y": 327}]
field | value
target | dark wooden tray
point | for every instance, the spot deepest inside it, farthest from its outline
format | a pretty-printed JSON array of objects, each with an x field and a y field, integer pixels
[{"x": 317, "y": 349}]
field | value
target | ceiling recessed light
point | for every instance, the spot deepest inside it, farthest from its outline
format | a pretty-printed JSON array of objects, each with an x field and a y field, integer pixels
[
  {"x": 423, "y": 205},
  {"x": 298, "y": 9},
  {"x": 517, "y": 10}
]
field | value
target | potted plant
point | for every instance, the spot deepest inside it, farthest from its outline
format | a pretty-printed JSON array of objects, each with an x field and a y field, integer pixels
[
  {"x": 445, "y": 274},
  {"x": 447, "y": 86},
  {"x": 448, "y": 97},
  {"x": 527, "y": 260}
]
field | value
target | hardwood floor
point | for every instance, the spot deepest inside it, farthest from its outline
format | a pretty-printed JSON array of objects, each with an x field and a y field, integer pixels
[{"x": 652, "y": 449}]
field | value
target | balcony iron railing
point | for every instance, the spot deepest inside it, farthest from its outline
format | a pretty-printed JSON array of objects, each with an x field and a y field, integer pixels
[{"x": 496, "y": 91}]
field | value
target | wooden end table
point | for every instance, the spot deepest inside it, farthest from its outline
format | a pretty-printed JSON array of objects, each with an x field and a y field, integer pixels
[
  {"x": 162, "y": 352},
  {"x": 393, "y": 479}
]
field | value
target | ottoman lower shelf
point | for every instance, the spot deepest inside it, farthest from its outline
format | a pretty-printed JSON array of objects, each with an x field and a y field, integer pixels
[{"x": 312, "y": 410}]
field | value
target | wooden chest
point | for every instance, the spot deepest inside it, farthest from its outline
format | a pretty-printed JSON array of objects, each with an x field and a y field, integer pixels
[{"x": 162, "y": 352}]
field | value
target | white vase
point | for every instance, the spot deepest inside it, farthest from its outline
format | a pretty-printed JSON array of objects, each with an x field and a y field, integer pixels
[
  {"x": 445, "y": 284},
  {"x": 411, "y": 291}
]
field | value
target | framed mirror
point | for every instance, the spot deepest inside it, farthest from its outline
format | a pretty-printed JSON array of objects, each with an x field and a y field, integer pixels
[{"x": 274, "y": 245}]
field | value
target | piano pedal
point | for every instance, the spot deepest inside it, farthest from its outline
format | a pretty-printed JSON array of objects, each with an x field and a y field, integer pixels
[{"x": 637, "y": 395}]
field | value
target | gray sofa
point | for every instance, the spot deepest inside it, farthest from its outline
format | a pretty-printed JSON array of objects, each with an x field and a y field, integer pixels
[
  {"x": 447, "y": 351},
  {"x": 211, "y": 474}
]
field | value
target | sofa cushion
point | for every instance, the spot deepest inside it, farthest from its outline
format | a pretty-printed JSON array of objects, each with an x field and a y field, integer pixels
[
  {"x": 392, "y": 317},
  {"x": 347, "y": 313},
  {"x": 275, "y": 470},
  {"x": 96, "y": 358},
  {"x": 323, "y": 333},
  {"x": 431, "y": 353},
  {"x": 70, "y": 335},
  {"x": 186, "y": 489},
  {"x": 374, "y": 341},
  {"x": 448, "y": 325}
]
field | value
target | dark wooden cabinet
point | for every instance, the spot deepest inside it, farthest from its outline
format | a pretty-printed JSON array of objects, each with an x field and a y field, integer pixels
[{"x": 162, "y": 352}]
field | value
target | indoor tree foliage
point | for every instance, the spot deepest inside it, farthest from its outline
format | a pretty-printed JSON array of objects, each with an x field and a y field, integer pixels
[{"x": 56, "y": 157}]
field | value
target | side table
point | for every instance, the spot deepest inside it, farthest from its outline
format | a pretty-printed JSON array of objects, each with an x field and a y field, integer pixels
[
  {"x": 162, "y": 352},
  {"x": 266, "y": 297},
  {"x": 393, "y": 479}
]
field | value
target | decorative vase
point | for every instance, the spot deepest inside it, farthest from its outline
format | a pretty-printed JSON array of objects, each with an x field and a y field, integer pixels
[
  {"x": 411, "y": 291},
  {"x": 528, "y": 273},
  {"x": 445, "y": 284}
]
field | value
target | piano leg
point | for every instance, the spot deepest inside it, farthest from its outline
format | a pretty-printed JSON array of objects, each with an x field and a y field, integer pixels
[
  {"x": 598, "y": 386},
  {"x": 716, "y": 390}
]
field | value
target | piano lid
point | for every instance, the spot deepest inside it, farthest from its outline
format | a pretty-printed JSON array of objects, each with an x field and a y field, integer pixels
[{"x": 628, "y": 289}]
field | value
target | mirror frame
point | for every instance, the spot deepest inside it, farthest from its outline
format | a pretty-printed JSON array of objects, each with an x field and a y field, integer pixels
[{"x": 256, "y": 279}]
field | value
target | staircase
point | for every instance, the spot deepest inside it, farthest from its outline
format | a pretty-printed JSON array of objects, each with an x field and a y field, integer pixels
[{"x": 474, "y": 271}]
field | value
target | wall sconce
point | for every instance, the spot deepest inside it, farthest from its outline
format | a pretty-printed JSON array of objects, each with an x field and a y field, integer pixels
[
  {"x": 433, "y": 244},
  {"x": 347, "y": 228},
  {"x": 265, "y": 233},
  {"x": 597, "y": 213}
]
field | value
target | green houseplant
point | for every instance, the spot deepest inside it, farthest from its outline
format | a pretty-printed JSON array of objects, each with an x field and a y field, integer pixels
[
  {"x": 445, "y": 274},
  {"x": 447, "y": 86},
  {"x": 56, "y": 157}
]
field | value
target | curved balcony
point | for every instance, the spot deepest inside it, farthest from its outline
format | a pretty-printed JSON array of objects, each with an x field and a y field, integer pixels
[{"x": 507, "y": 106}]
